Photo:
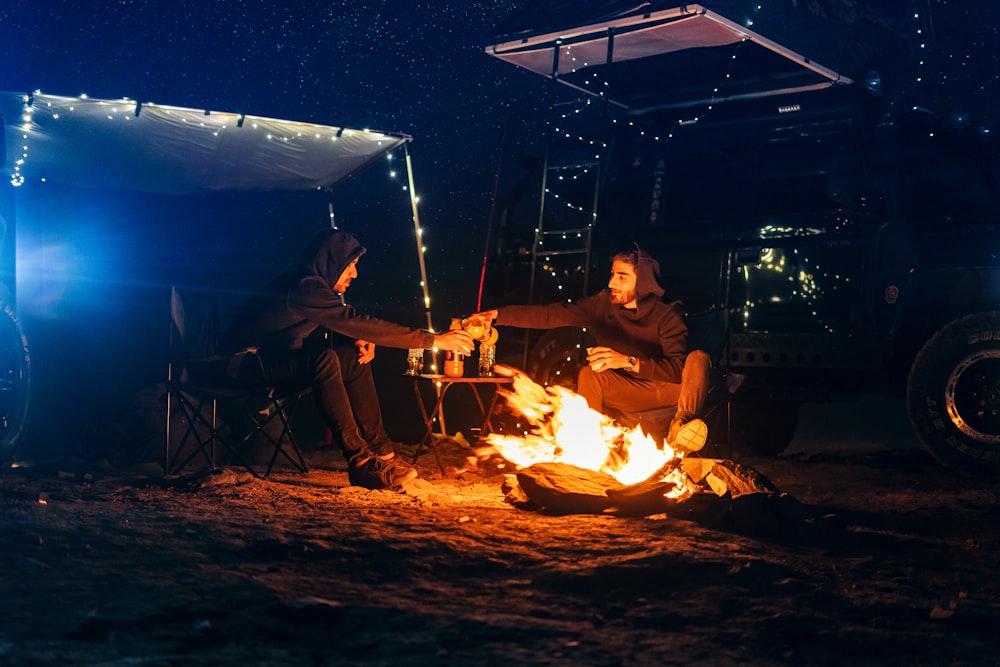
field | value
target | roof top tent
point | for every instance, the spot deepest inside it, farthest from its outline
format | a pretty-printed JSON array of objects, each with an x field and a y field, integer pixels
[
  {"x": 663, "y": 67},
  {"x": 123, "y": 145}
]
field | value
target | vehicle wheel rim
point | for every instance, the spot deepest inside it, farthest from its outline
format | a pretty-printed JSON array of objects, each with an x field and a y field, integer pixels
[{"x": 972, "y": 396}]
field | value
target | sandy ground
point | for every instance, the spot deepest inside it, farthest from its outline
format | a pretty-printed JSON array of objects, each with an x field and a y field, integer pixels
[{"x": 891, "y": 560}]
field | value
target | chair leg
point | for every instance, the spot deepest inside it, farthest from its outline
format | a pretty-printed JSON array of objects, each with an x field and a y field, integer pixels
[
  {"x": 284, "y": 435},
  {"x": 192, "y": 412},
  {"x": 279, "y": 444}
]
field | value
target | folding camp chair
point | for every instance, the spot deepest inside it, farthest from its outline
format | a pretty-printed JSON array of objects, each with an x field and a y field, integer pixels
[
  {"x": 707, "y": 332},
  {"x": 200, "y": 382}
]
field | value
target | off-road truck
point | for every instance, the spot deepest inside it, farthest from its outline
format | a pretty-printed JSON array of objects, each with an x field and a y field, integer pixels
[{"x": 852, "y": 239}]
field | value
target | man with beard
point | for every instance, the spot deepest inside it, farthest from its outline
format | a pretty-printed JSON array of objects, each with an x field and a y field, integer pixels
[
  {"x": 308, "y": 295},
  {"x": 641, "y": 360}
]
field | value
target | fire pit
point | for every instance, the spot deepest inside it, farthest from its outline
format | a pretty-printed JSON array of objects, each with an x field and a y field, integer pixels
[{"x": 570, "y": 459}]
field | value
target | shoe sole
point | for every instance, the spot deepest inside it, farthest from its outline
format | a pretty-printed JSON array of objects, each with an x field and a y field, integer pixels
[
  {"x": 378, "y": 484},
  {"x": 692, "y": 436}
]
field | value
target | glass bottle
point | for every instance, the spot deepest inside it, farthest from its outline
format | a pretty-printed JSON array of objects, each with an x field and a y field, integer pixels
[
  {"x": 454, "y": 362},
  {"x": 487, "y": 359}
]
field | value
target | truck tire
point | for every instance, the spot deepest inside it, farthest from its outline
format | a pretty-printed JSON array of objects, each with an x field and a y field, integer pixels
[
  {"x": 557, "y": 357},
  {"x": 764, "y": 426},
  {"x": 15, "y": 364},
  {"x": 953, "y": 395}
]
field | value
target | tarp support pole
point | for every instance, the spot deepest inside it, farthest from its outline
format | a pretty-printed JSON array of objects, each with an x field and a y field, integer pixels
[{"x": 418, "y": 233}]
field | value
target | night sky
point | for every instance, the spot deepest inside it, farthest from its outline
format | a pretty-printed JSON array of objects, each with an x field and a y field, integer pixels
[{"x": 415, "y": 67}]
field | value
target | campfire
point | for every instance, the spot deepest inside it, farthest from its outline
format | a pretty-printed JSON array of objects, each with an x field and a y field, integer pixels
[
  {"x": 564, "y": 429},
  {"x": 570, "y": 458}
]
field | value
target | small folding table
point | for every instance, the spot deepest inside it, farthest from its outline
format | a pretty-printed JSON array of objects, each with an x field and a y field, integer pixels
[{"x": 442, "y": 384}]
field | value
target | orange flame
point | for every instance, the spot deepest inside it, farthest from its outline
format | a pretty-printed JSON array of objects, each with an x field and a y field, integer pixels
[{"x": 564, "y": 429}]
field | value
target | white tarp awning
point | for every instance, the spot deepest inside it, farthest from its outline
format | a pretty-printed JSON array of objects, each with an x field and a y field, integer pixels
[
  {"x": 673, "y": 57},
  {"x": 154, "y": 148}
]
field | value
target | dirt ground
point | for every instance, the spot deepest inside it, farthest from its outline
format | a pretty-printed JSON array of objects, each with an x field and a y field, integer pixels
[{"x": 889, "y": 560}]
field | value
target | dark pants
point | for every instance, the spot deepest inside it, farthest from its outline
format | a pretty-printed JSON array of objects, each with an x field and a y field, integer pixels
[
  {"x": 618, "y": 390},
  {"x": 344, "y": 390}
]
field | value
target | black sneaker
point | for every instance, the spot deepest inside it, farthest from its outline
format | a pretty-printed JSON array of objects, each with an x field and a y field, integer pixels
[
  {"x": 373, "y": 472},
  {"x": 386, "y": 449}
]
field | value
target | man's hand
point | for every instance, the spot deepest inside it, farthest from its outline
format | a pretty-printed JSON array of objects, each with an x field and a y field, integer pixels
[
  {"x": 366, "y": 351},
  {"x": 486, "y": 315},
  {"x": 603, "y": 358},
  {"x": 457, "y": 340}
]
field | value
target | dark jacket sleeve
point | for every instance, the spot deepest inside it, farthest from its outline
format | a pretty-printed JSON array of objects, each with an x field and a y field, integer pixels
[
  {"x": 668, "y": 365},
  {"x": 547, "y": 316},
  {"x": 313, "y": 301}
]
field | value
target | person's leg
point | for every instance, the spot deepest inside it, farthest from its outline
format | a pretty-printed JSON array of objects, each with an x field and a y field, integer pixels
[
  {"x": 694, "y": 386},
  {"x": 364, "y": 401},
  {"x": 608, "y": 390},
  {"x": 687, "y": 431},
  {"x": 620, "y": 391},
  {"x": 292, "y": 370}
]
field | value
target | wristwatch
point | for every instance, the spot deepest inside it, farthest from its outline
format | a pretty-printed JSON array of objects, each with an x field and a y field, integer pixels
[{"x": 632, "y": 363}]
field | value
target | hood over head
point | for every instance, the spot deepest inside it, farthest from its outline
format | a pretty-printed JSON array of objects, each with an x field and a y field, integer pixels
[
  {"x": 329, "y": 252},
  {"x": 647, "y": 272}
]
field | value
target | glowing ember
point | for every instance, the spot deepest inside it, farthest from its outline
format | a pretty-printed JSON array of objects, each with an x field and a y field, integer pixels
[{"x": 563, "y": 429}]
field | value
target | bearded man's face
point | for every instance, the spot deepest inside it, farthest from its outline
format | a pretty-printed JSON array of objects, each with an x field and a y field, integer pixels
[{"x": 622, "y": 283}]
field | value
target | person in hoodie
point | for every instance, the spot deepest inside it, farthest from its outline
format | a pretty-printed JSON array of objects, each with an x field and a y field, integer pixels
[
  {"x": 641, "y": 360},
  {"x": 278, "y": 321}
]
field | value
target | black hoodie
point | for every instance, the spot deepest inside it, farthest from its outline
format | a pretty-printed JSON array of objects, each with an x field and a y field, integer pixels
[
  {"x": 301, "y": 299},
  {"x": 654, "y": 331}
]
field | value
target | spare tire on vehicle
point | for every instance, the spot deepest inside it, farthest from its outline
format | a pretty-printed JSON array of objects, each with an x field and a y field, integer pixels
[{"x": 953, "y": 394}]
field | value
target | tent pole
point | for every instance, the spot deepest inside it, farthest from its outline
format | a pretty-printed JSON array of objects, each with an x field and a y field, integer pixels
[
  {"x": 493, "y": 208},
  {"x": 423, "y": 270},
  {"x": 419, "y": 232}
]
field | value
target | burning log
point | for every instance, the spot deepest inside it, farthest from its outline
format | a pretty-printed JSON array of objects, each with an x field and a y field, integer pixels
[
  {"x": 642, "y": 499},
  {"x": 562, "y": 488},
  {"x": 729, "y": 495}
]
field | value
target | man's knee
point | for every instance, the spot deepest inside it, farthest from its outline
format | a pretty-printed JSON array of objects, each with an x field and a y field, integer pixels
[
  {"x": 698, "y": 361},
  {"x": 696, "y": 378},
  {"x": 327, "y": 364},
  {"x": 588, "y": 385}
]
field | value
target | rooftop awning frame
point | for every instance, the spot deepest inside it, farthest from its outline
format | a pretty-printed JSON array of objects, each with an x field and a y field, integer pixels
[
  {"x": 570, "y": 51},
  {"x": 148, "y": 147}
]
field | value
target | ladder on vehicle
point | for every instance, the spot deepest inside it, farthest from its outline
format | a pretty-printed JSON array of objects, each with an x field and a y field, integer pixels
[
  {"x": 571, "y": 179},
  {"x": 569, "y": 197}
]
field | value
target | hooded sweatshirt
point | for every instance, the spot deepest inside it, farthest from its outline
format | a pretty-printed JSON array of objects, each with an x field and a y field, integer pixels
[
  {"x": 654, "y": 331},
  {"x": 301, "y": 299}
]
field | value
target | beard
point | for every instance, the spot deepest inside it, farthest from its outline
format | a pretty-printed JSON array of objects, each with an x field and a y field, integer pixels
[{"x": 621, "y": 298}]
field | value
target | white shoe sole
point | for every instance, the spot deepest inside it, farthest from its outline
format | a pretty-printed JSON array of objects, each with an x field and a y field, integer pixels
[{"x": 692, "y": 436}]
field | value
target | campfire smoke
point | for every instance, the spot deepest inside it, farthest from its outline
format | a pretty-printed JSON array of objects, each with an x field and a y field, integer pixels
[{"x": 564, "y": 429}]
